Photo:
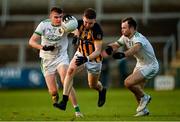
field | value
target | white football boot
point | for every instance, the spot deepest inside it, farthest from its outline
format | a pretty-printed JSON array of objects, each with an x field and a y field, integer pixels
[
  {"x": 143, "y": 102},
  {"x": 79, "y": 114},
  {"x": 144, "y": 112}
]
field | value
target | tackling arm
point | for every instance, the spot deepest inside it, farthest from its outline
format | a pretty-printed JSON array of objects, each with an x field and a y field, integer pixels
[
  {"x": 114, "y": 45},
  {"x": 110, "y": 49},
  {"x": 133, "y": 50}
]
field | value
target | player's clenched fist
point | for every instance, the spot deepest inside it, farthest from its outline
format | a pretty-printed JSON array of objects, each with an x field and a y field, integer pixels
[
  {"x": 109, "y": 50},
  {"x": 81, "y": 60}
]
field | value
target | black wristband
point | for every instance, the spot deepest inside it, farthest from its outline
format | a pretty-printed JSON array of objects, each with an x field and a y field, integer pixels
[
  {"x": 118, "y": 55},
  {"x": 109, "y": 50}
]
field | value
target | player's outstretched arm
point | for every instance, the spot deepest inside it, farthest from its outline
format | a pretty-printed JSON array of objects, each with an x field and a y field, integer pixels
[
  {"x": 133, "y": 50},
  {"x": 110, "y": 49}
]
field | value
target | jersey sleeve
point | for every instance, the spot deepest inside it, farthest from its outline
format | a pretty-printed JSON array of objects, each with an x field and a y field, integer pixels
[
  {"x": 80, "y": 22},
  {"x": 97, "y": 32},
  {"x": 39, "y": 29},
  {"x": 140, "y": 41},
  {"x": 139, "y": 38},
  {"x": 120, "y": 41}
]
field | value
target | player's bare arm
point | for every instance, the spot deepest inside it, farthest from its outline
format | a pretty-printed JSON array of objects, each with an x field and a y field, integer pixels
[
  {"x": 97, "y": 52},
  {"x": 115, "y": 46},
  {"x": 112, "y": 47},
  {"x": 133, "y": 50},
  {"x": 33, "y": 41},
  {"x": 98, "y": 46}
]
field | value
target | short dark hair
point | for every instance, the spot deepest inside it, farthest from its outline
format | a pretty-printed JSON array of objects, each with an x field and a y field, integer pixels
[
  {"x": 56, "y": 9},
  {"x": 90, "y": 13},
  {"x": 131, "y": 22}
]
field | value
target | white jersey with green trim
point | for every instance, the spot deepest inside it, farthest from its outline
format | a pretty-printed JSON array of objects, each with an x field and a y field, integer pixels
[
  {"x": 146, "y": 54},
  {"x": 51, "y": 35}
]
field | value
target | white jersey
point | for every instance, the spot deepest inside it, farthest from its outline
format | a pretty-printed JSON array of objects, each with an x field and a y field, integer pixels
[
  {"x": 50, "y": 35},
  {"x": 146, "y": 54}
]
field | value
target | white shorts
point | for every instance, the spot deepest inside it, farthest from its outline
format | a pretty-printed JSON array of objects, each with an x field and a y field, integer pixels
[
  {"x": 92, "y": 67},
  {"x": 148, "y": 71},
  {"x": 49, "y": 66}
]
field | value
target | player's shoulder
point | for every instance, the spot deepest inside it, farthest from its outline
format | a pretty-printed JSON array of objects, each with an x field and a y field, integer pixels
[
  {"x": 97, "y": 26},
  {"x": 80, "y": 23},
  {"x": 139, "y": 38},
  {"x": 138, "y": 35},
  {"x": 97, "y": 31}
]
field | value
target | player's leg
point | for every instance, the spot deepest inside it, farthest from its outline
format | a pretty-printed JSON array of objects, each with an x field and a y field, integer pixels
[
  {"x": 49, "y": 74},
  {"x": 133, "y": 89},
  {"x": 52, "y": 87},
  {"x": 94, "y": 71},
  {"x": 133, "y": 81},
  {"x": 68, "y": 83},
  {"x": 71, "y": 71},
  {"x": 148, "y": 71},
  {"x": 142, "y": 102},
  {"x": 144, "y": 111},
  {"x": 62, "y": 70},
  {"x": 94, "y": 83}
]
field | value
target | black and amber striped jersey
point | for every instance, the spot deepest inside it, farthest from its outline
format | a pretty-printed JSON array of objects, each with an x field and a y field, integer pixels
[{"x": 87, "y": 37}]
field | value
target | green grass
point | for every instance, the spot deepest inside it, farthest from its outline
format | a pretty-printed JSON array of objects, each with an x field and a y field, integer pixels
[{"x": 35, "y": 105}]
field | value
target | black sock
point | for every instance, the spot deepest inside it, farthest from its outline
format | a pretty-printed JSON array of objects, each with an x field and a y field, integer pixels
[{"x": 65, "y": 98}]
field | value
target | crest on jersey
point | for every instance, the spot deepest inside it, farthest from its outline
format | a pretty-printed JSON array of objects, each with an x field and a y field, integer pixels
[{"x": 60, "y": 31}]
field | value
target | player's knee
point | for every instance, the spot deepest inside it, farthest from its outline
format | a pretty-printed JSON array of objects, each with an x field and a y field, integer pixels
[
  {"x": 53, "y": 92},
  {"x": 127, "y": 84},
  {"x": 92, "y": 85}
]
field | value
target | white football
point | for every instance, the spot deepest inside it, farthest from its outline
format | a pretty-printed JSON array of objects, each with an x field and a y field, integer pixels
[{"x": 70, "y": 25}]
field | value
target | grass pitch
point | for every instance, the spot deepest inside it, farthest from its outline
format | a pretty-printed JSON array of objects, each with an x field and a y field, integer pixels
[{"x": 35, "y": 105}]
